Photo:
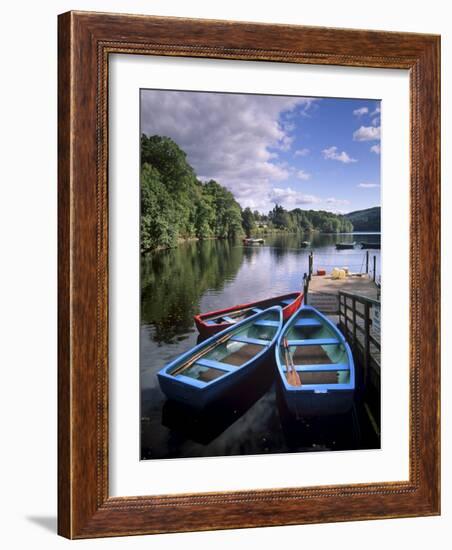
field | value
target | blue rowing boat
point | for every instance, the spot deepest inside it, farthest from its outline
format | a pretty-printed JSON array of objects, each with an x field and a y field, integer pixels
[
  {"x": 215, "y": 367},
  {"x": 315, "y": 365}
]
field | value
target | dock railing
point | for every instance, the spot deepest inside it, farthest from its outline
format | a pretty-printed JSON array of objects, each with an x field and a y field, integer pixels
[{"x": 359, "y": 320}]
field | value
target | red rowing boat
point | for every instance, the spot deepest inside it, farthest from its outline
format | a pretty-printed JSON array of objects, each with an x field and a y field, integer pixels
[{"x": 215, "y": 321}]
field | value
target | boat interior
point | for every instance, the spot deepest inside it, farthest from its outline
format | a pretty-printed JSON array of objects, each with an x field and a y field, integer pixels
[
  {"x": 239, "y": 315},
  {"x": 232, "y": 351},
  {"x": 319, "y": 357}
]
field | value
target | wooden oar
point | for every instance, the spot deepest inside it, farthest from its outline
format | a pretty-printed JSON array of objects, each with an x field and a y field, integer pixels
[
  {"x": 292, "y": 375},
  {"x": 194, "y": 358}
]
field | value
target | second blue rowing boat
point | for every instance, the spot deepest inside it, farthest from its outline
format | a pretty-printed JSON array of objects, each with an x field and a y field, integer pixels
[{"x": 315, "y": 365}]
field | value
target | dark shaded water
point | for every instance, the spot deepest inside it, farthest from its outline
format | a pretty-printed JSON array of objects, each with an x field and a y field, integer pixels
[{"x": 204, "y": 276}]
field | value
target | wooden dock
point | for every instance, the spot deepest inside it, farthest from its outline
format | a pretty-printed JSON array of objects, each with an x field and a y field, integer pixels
[
  {"x": 353, "y": 304},
  {"x": 350, "y": 303},
  {"x": 323, "y": 293}
]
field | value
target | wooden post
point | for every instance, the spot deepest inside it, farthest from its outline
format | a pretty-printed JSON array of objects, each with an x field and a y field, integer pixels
[
  {"x": 345, "y": 315},
  {"x": 305, "y": 289},
  {"x": 354, "y": 322},
  {"x": 311, "y": 261},
  {"x": 375, "y": 268},
  {"x": 367, "y": 262},
  {"x": 366, "y": 341}
]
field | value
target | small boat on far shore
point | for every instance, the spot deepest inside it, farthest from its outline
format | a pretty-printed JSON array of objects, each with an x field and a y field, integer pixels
[
  {"x": 304, "y": 244},
  {"x": 375, "y": 246},
  {"x": 215, "y": 321},
  {"x": 345, "y": 246},
  {"x": 220, "y": 364},
  {"x": 249, "y": 240},
  {"x": 315, "y": 365}
]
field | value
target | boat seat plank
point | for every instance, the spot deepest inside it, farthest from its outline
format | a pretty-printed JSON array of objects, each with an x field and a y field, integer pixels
[
  {"x": 229, "y": 319},
  {"x": 215, "y": 364},
  {"x": 264, "y": 323},
  {"x": 321, "y": 367},
  {"x": 308, "y": 378},
  {"x": 307, "y": 323},
  {"x": 314, "y": 342},
  {"x": 247, "y": 340}
]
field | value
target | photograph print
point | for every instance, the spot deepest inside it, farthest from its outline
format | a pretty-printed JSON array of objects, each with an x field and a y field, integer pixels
[{"x": 260, "y": 274}]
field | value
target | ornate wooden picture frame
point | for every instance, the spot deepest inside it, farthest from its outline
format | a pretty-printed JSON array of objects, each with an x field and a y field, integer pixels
[{"x": 86, "y": 40}]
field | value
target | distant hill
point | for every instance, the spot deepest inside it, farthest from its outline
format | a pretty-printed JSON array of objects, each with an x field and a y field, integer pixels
[{"x": 366, "y": 220}]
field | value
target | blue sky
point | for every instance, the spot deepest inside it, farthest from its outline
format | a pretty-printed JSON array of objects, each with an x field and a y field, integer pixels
[{"x": 319, "y": 153}]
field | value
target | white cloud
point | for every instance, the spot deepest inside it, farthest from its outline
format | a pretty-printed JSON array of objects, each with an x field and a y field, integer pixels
[
  {"x": 290, "y": 198},
  {"x": 337, "y": 202},
  {"x": 302, "y": 175},
  {"x": 361, "y": 111},
  {"x": 332, "y": 153},
  {"x": 365, "y": 185},
  {"x": 376, "y": 149},
  {"x": 375, "y": 121},
  {"x": 285, "y": 143},
  {"x": 302, "y": 152},
  {"x": 367, "y": 133},
  {"x": 232, "y": 138},
  {"x": 376, "y": 112}
]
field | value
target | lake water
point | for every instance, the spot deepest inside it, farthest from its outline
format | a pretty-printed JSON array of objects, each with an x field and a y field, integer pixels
[{"x": 201, "y": 276}]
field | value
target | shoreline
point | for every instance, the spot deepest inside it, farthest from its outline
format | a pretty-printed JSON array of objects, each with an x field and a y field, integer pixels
[{"x": 183, "y": 240}]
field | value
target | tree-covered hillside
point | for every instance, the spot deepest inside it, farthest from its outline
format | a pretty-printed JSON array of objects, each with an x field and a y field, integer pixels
[
  {"x": 296, "y": 220},
  {"x": 176, "y": 205},
  {"x": 366, "y": 220}
]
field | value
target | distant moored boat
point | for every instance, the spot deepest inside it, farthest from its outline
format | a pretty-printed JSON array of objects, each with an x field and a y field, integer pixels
[
  {"x": 304, "y": 244},
  {"x": 376, "y": 246},
  {"x": 345, "y": 246},
  {"x": 249, "y": 240}
]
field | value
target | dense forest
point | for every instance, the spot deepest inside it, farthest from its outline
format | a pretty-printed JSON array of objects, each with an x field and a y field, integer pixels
[
  {"x": 295, "y": 220},
  {"x": 366, "y": 220},
  {"x": 176, "y": 205}
]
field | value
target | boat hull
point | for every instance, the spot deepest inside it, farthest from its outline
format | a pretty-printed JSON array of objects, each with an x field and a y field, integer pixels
[
  {"x": 253, "y": 241},
  {"x": 371, "y": 246},
  {"x": 197, "y": 398},
  {"x": 310, "y": 404},
  {"x": 205, "y": 329}
]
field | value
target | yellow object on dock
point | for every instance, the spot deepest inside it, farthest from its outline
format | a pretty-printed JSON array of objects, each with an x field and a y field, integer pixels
[{"x": 338, "y": 273}]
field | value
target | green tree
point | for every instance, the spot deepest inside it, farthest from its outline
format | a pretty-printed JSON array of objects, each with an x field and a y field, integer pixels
[
  {"x": 279, "y": 217},
  {"x": 228, "y": 213},
  {"x": 248, "y": 221},
  {"x": 158, "y": 221}
]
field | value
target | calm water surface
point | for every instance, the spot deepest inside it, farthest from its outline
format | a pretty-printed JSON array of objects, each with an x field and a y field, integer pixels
[{"x": 203, "y": 276}]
